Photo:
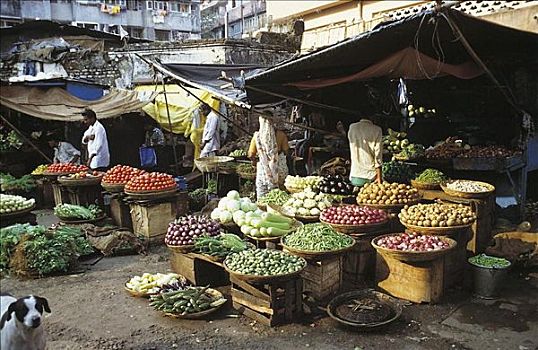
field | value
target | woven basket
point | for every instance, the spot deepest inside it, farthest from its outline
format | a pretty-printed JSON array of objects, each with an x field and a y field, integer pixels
[
  {"x": 354, "y": 229},
  {"x": 246, "y": 176},
  {"x": 263, "y": 279},
  {"x": 469, "y": 195},
  {"x": 152, "y": 194},
  {"x": 425, "y": 186},
  {"x": 313, "y": 255},
  {"x": 388, "y": 206},
  {"x": 181, "y": 248},
  {"x": 413, "y": 256},
  {"x": 293, "y": 189},
  {"x": 112, "y": 188},
  {"x": 215, "y": 294},
  {"x": 212, "y": 164},
  {"x": 436, "y": 231},
  {"x": 87, "y": 181}
]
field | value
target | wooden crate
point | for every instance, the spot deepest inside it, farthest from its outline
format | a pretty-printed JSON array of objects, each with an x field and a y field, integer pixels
[
  {"x": 270, "y": 304},
  {"x": 199, "y": 270},
  {"x": 120, "y": 212},
  {"x": 322, "y": 279},
  {"x": 59, "y": 193},
  {"x": 456, "y": 260},
  {"x": 151, "y": 221},
  {"x": 85, "y": 195},
  {"x": 359, "y": 262},
  {"x": 414, "y": 281}
]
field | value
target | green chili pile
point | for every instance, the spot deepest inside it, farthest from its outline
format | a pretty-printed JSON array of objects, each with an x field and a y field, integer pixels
[
  {"x": 492, "y": 262},
  {"x": 317, "y": 238}
]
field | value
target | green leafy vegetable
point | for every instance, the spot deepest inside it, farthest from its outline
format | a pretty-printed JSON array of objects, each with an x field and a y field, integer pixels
[
  {"x": 71, "y": 211},
  {"x": 317, "y": 238},
  {"x": 487, "y": 261}
]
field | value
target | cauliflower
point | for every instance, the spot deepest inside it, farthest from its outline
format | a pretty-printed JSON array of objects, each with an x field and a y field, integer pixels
[
  {"x": 309, "y": 203},
  {"x": 315, "y": 212}
]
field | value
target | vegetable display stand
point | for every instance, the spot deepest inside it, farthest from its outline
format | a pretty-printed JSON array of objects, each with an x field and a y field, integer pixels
[
  {"x": 484, "y": 209},
  {"x": 417, "y": 282},
  {"x": 120, "y": 212},
  {"x": 84, "y": 195},
  {"x": 45, "y": 196},
  {"x": 323, "y": 278},
  {"x": 61, "y": 196},
  {"x": 270, "y": 303},
  {"x": 199, "y": 269}
]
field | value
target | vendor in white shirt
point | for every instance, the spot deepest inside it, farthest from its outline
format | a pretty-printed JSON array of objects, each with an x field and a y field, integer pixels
[
  {"x": 366, "y": 147},
  {"x": 64, "y": 152},
  {"x": 96, "y": 141},
  {"x": 211, "y": 134}
]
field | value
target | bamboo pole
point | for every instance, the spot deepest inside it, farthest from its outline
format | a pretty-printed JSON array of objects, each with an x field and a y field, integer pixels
[{"x": 25, "y": 139}]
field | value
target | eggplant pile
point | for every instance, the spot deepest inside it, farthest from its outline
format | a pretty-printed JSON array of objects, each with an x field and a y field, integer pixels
[
  {"x": 186, "y": 229},
  {"x": 336, "y": 185}
]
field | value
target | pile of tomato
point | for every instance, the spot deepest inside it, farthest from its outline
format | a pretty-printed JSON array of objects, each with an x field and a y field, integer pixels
[
  {"x": 62, "y": 168},
  {"x": 121, "y": 174},
  {"x": 151, "y": 182}
]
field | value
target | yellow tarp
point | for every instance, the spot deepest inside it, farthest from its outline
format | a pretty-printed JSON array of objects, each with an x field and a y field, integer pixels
[{"x": 181, "y": 106}]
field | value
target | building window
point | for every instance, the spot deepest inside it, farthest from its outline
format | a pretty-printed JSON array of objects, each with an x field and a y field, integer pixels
[
  {"x": 162, "y": 35},
  {"x": 234, "y": 4},
  {"x": 149, "y": 5},
  {"x": 136, "y": 32},
  {"x": 134, "y": 5},
  {"x": 116, "y": 2}
]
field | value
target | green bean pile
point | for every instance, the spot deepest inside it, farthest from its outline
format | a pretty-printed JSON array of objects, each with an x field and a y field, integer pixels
[
  {"x": 264, "y": 262},
  {"x": 276, "y": 196},
  {"x": 317, "y": 238}
]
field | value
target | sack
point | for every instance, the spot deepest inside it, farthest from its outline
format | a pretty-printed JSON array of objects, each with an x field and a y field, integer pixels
[{"x": 148, "y": 158}]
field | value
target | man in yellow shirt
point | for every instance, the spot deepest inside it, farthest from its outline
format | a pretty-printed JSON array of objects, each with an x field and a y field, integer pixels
[{"x": 366, "y": 146}]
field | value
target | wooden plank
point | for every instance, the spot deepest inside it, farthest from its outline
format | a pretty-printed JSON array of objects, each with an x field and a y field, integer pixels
[
  {"x": 253, "y": 314},
  {"x": 205, "y": 258},
  {"x": 290, "y": 298},
  {"x": 183, "y": 265},
  {"x": 298, "y": 297},
  {"x": 250, "y": 289},
  {"x": 250, "y": 301}
]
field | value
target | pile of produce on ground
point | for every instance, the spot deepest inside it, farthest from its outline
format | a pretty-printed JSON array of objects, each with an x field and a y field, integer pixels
[
  {"x": 317, "y": 238},
  {"x": 411, "y": 152},
  {"x": 492, "y": 262},
  {"x": 276, "y": 197},
  {"x": 420, "y": 112},
  {"x": 184, "y": 301},
  {"x": 395, "y": 171},
  {"x": 387, "y": 194},
  {"x": 9, "y": 183},
  {"x": 467, "y": 186},
  {"x": 184, "y": 230},
  {"x": 36, "y": 250},
  {"x": 336, "y": 185},
  {"x": 307, "y": 203},
  {"x": 151, "y": 283},
  {"x": 246, "y": 169},
  {"x": 437, "y": 215},
  {"x": 197, "y": 199},
  {"x": 12, "y": 204},
  {"x": 63, "y": 168},
  {"x": 232, "y": 207},
  {"x": 84, "y": 175},
  {"x": 121, "y": 174},
  {"x": 77, "y": 212},
  {"x": 219, "y": 246},
  {"x": 264, "y": 262},
  {"x": 260, "y": 224},
  {"x": 412, "y": 242},
  {"x": 10, "y": 142},
  {"x": 395, "y": 141},
  {"x": 40, "y": 169},
  {"x": 151, "y": 182},
  {"x": 431, "y": 176},
  {"x": 353, "y": 215},
  {"x": 238, "y": 153},
  {"x": 298, "y": 183},
  {"x": 489, "y": 152}
]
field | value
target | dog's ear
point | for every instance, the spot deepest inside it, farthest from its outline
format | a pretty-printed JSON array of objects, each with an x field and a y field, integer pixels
[
  {"x": 7, "y": 315},
  {"x": 45, "y": 304}
]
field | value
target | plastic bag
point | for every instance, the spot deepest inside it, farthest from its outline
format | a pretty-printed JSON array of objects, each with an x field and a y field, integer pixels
[{"x": 148, "y": 157}]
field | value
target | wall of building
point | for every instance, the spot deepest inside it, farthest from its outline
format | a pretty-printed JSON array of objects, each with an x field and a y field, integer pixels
[{"x": 522, "y": 19}]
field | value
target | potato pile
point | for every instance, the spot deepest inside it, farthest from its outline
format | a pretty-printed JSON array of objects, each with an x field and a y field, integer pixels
[
  {"x": 387, "y": 194},
  {"x": 437, "y": 215}
]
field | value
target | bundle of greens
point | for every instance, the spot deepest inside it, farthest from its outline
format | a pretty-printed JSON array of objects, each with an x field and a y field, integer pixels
[
  {"x": 9, "y": 183},
  {"x": 77, "y": 212}
]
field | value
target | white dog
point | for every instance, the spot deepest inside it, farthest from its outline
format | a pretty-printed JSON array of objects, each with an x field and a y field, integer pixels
[{"x": 20, "y": 325}]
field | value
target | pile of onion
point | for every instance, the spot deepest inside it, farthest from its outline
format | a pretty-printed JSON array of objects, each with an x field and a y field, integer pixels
[
  {"x": 184, "y": 230},
  {"x": 412, "y": 242},
  {"x": 353, "y": 215}
]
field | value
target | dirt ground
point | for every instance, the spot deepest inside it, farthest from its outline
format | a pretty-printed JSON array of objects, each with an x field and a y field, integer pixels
[{"x": 91, "y": 310}]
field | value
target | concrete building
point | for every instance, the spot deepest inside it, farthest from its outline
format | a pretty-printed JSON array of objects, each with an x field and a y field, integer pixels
[
  {"x": 233, "y": 19},
  {"x": 329, "y": 21},
  {"x": 153, "y": 20}
]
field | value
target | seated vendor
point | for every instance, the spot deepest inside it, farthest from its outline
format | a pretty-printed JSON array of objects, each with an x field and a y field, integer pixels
[
  {"x": 366, "y": 148},
  {"x": 64, "y": 152}
]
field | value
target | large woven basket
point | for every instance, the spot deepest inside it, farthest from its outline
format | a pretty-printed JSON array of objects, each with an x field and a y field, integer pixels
[
  {"x": 354, "y": 229},
  {"x": 425, "y": 186},
  {"x": 469, "y": 195},
  {"x": 212, "y": 164},
  {"x": 411, "y": 255}
]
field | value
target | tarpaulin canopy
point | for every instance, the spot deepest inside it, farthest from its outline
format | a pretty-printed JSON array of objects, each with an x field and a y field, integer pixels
[
  {"x": 181, "y": 106},
  {"x": 418, "y": 47},
  {"x": 57, "y": 104}
]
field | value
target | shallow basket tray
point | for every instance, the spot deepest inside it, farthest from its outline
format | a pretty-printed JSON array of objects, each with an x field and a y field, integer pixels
[
  {"x": 81, "y": 221},
  {"x": 246, "y": 176},
  {"x": 135, "y": 293},
  {"x": 388, "y": 206},
  {"x": 437, "y": 231},
  {"x": 16, "y": 214},
  {"x": 152, "y": 194},
  {"x": 49, "y": 174},
  {"x": 293, "y": 189},
  {"x": 88, "y": 181},
  {"x": 425, "y": 186},
  {"x": 410, "y": 255},
  {"x": 393, "y": 303},
  {"x": 354, "y": 229},
  {"x": 313, "y": 255},
  {"x": 181, "y": 248},
  {"x": 112, "y": 188},
  {"x": 196, "y": 315},
  {"x": 469, "y": 195},
  {"x": 211, "y": 164},
  {"x": 263, "y": 279}
]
